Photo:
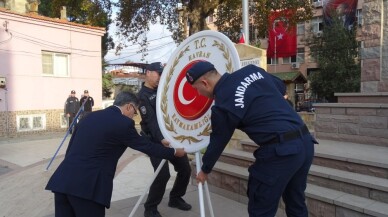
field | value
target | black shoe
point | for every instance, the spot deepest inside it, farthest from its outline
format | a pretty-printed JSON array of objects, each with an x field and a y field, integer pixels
[
  {"x": 179, "y": 203},
  {"x": 151, "y": 213}
]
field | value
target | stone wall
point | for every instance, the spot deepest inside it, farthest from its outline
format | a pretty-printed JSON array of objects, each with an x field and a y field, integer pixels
[
  {"x": 52, "y": 122},
  {"x": 353, "y": 122},
  {"x": 374, "y": 53}
]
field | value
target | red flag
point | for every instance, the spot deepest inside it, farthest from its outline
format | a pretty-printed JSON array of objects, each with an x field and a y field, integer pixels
[
  {"x": 282, "y": 37},
  {"x": 242, "y": 39}
]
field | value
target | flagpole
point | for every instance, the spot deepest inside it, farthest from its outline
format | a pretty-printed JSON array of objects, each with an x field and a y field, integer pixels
[
  {"x": 275, "y": 54},
  {"x": 245, "y": 15}
]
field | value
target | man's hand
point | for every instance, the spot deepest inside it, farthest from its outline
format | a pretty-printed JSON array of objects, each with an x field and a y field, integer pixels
[
  {"x": 165, "y": 142},
  {"x": 68, "y": 115},
  {"x": 180, "y": 152},
  {"x": 201, "y": 177}
]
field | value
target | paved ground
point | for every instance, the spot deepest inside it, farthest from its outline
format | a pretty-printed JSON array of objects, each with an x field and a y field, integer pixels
[{"x": 23, "y": 176}]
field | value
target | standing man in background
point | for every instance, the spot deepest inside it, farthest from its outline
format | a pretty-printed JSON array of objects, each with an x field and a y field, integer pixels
[
  {"x": 150, "y": 128},
  {"x": 88, "y": 103},
  {"x": 71, "y": 108}
]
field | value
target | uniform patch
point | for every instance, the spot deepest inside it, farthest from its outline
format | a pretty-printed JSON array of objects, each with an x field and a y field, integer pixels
[{"x": 143, "y": 110}]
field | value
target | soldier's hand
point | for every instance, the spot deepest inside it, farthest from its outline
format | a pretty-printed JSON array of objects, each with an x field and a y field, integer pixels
[
  {"x": 180, "y": 152},
  {"x": 166, "y": 143}
]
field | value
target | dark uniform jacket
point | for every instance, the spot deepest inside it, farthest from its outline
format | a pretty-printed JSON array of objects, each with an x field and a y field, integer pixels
[
  {"x": 149, "y": 122},
  {"x": 71, "y": 105},
  {"x": 249, "y": 99},
  {"x": 88, "y": 104},
  {"x": 93, "y": 152}
]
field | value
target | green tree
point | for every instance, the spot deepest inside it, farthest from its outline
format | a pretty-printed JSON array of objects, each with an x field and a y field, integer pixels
[
  {"x": 337, "y": 54},
  {"x": 229, "y": 15},
  {"x": 107, "y": 85},
  {"x": 88, "y": 12},
  {"x": 135, "y": 17}
]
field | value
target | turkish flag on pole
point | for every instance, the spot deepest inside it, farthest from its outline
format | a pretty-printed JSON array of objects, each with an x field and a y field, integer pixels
[
  {"x": 282, "y": 37},
  {"x": 242, "y": 39}
]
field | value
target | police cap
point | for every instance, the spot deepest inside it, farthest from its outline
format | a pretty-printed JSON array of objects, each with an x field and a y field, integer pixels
[
  {"x": 156, "y": 66},
  {"x": 197, "y": 70}
]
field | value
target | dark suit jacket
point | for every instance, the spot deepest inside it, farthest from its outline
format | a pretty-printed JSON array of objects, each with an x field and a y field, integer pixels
[{"x": 93, "y": 152}]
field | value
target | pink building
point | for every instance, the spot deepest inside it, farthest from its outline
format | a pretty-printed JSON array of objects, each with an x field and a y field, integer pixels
[{"x": 41, "y": 61}]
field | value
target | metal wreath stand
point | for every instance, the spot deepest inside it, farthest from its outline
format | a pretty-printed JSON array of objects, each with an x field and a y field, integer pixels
[{"x": 200, "y": 189}]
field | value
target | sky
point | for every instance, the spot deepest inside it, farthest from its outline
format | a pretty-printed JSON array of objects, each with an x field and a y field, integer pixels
[{"x": 161, "y": 46}]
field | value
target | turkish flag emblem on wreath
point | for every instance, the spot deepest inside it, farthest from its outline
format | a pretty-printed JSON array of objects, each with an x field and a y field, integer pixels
[{"x": 282, "y": 36}]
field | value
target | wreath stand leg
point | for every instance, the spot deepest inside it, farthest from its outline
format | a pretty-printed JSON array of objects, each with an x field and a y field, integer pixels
[
  {"x": 200, "y": 189},
  {"x": 147, "y": 188}
]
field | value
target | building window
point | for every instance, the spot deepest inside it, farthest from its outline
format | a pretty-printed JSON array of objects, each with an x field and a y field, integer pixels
[
  {"x": 55, "y": 64},
  {"x": 300, "y": 29},
  {"x": 272, "y": 61},
  {"x": 31, "y": 122},
  {"x": 359, "y": 16},
  {"x": 313, "y": 59},
  {"x": 300, "y": 55},
  {"x": 288, "y": 60},
  {"x": 317, "y": 24},
  {"x": 63, "y": 119}
]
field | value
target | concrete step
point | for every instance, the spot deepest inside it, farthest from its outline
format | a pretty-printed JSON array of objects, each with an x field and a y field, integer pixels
[
  {"x": 323, "y": 201},
  {"x": 231, "y": 181},
  {"x": 352, "y": 157},
  {"x": 237, "y": 157},
  {"x": 381, "y": 97},
  {"x": 353, "y": 183},
  {"x": 347, "y": 156}
]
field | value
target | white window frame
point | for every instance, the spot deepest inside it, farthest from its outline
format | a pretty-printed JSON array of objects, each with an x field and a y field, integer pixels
[
  {"x": 300, "y": 51},
  {"x": 274, "y": 61},
  {"x": 289, "y": 60},
  {"x": 286, "y": 60},
  {"x": 57, "y": 66},
  {"x": 317, "y": 24},
  {"x": 359, "y": 17},
  {"x": 28, "y": 122}
]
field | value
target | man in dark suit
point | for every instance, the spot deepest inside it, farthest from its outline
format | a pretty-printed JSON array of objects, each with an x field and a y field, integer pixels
[{"x": 83, "y": 182}]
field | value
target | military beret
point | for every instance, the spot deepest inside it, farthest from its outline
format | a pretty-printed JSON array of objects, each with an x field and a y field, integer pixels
[{"x": 197, "y": 70}]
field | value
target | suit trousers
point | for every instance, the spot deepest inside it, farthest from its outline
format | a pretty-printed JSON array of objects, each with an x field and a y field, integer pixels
[
  {"x": 158, "y": 187},
  {"x": 71, "y": 206},
  {"x": 280, "y": 170}
]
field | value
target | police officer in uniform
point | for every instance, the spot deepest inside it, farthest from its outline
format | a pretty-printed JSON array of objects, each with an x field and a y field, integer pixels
[
  {"x": 150, "y": 128},
  {"x": 250, "y": 99},
  {"x": 71, "y": 107},
  {"x": 88, "y": 103}
]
